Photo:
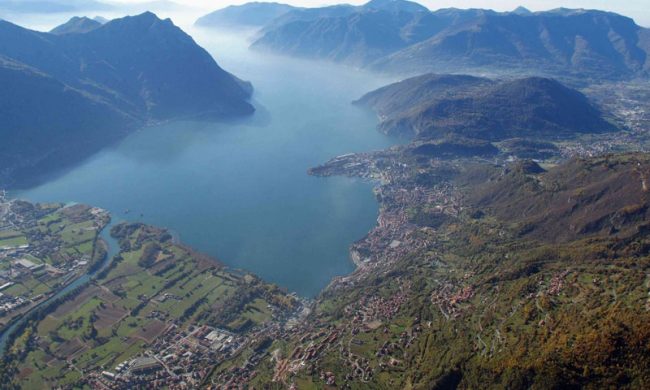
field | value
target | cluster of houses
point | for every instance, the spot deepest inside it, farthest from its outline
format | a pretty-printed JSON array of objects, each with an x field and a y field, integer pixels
[
  {"x": 259, "y": 339},
  {"x": 368, "y": 315},
  {"x": 9, "y": 303},
  {"x": 449, "y": 297},
  {"x": 371, "y": 310}
]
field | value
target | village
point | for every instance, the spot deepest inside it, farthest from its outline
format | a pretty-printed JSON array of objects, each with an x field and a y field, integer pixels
[{"x": 349, "y": 342}]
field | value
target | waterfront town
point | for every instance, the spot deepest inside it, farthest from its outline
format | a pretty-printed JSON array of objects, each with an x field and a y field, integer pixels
[{"x": 405, "y": 197}]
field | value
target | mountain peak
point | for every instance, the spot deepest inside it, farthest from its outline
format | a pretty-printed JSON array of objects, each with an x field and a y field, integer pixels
[
  {"x": 395, "y": 6},
  {"x": 141, "y": 23},
  {"x": 521, "y": 10},
  {"x": 101, "y": 19},
  {"x": 76, "y": 25},
  {"x": 146, "y": 15}
]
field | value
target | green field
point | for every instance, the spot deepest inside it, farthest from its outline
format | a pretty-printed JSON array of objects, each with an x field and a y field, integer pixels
[{"x": 13, "y": 242}]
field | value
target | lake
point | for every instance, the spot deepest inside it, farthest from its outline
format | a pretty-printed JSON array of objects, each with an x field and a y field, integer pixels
[{"x": 239, "y": 191}]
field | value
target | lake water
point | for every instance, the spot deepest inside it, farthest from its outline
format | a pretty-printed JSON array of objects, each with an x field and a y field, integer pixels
[{"x": 240, "y": 192}]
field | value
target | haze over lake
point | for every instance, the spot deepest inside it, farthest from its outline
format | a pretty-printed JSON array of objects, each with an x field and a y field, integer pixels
[{"x": 240, "y": 191}]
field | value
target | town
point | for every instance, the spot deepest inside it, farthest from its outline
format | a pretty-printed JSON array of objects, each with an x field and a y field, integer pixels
[{"x": 178, "y": 359}]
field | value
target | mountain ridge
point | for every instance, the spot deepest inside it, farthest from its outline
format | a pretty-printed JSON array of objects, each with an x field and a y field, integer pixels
[
  {"x": 254, "y": 14},
  {"x": 399, "y": 38},
  {"x": 597, "y": 43}
]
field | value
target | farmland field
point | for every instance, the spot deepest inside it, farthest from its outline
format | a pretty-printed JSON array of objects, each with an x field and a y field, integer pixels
[{"x": 152, "y": 286}]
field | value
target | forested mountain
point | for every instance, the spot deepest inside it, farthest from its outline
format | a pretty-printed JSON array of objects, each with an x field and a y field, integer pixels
[
  {"x": 435, "y": 106},
  {"x": 100, "y": 84}
]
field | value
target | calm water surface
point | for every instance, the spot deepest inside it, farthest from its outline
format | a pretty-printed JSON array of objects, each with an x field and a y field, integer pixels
[{"x": 240, "y": 192}]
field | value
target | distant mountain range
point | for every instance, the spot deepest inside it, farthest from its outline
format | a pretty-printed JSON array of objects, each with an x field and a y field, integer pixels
[
  {"x": 402, "y": 36},
  {"x": 582, "y": 43},
  {"x": 246, "y": 15},
  {"x": 438, "y": 106},
  {"x": 87, "y": 84}
]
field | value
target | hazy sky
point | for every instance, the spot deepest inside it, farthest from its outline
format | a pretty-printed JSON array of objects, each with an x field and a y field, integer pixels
[
  {"x": 190, "y": 10},
  {"x": 637, "y": 9}
]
